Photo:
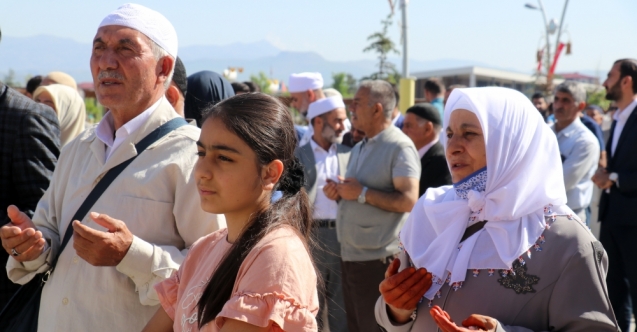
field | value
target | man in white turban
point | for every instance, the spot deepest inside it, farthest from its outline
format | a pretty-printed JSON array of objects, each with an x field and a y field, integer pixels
[
  {"x": 324, "y": 159},
  {"x": 305, "y": 88},
  {"x": 139, "y": 230}
]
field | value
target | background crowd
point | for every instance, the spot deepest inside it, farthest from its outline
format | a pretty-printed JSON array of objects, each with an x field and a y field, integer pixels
[{"x": 365, "y": 166}]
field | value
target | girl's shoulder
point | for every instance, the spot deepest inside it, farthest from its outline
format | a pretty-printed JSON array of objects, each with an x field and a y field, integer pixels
[{"x": 207, "y": 242}]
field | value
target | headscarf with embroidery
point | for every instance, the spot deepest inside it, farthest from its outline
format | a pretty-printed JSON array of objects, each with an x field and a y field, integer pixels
[
  {"x": 69, "y": 107},
  {"x": 523, "y": 175},
  {"x": 205, "y": 88}
]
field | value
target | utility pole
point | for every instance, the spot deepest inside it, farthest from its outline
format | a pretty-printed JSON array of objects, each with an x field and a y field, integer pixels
[{"x": 403, "y": 5}]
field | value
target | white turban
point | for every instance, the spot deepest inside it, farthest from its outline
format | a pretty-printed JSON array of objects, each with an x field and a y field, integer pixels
[
  {"x": 147, "y": 21},
  {"x": 305, "y": 81},
  {"x": 323, "y": 106}
]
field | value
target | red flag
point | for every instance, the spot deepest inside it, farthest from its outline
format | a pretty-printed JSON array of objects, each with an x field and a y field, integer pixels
[{"x": 560, "y": 47}]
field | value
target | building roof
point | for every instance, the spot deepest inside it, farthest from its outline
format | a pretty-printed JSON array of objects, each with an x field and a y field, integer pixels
[{"x": 478, "y": 71}]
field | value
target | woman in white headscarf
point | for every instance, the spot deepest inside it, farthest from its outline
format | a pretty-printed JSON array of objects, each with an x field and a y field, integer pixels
[
  {"x": 68, "y": 105},
  {"x": 499, "y": 249}
]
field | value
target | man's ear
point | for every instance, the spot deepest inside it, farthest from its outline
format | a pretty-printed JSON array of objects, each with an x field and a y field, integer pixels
[
  {"x": 172, "y": 94},
  {"x": 271, "y": 173},
  {"x": 164, "y": 66},
  {"x": 581, "y": 106},
  {"x": 310, "y": 95}
]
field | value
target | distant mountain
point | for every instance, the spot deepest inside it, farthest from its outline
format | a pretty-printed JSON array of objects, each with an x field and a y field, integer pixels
[{"x": 42, "y": 54}]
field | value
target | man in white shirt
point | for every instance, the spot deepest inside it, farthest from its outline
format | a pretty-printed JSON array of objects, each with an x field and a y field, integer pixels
[
  {"x": 140, "y": 229},
  {"x": 423, "y": 125},
  {"x": 305, "y": 88},
  {"x": 618, "y": 204},
  {"x": 325, "y": 159},
  {"x": 579, "y": 148}
]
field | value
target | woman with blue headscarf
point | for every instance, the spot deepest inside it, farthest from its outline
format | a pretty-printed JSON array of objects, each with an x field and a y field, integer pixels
[
  {"x": 205, "y": 88},
  {"x": 499, "y": 250}
]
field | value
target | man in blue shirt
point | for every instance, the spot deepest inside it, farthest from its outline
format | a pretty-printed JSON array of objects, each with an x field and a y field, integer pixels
[{"x": 434, "y": 94}]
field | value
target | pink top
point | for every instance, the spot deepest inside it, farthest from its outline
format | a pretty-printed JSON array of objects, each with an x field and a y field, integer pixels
[{"x": 276, "y": 282}]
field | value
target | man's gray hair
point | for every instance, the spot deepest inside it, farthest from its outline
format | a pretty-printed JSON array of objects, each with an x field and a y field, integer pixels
[
  {"x": 381, "y": 92},
  {"x": 573, "y": 88},
  {"x": 159, "y": 53}
]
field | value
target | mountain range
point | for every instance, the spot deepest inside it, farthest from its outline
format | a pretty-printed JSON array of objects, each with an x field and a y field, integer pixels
[{"x": 38, "y": 55}]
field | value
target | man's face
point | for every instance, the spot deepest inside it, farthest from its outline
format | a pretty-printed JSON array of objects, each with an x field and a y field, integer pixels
[
  {"x": 540, "y": 104},
  {"x": 415, "y": 128},
  {"x": 125, "y": 72},
  {"x": 565, "y": 108},
  {"x": 300, "y": 101},
  {"x": 334, "y": 125},
  {"x": 362, "y": 111},
  {"x": 612, "y": 84},
  {"x": 595, "y": 115}
]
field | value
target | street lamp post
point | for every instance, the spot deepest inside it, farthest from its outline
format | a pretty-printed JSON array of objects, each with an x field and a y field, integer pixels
[{"x": 550, "y": 27}]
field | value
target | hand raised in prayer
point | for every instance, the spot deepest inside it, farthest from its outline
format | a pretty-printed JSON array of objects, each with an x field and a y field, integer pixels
[
  {"x": 20, "y": 238},
  {"x": 330, "y": 190},
  {"x": 102, "y": 248},
  {"x": 403, "y": 290},
  {"x": 349, "y": 188},
  {"x": 601, "y": 179},
  {"x": 473, "y": 323}
]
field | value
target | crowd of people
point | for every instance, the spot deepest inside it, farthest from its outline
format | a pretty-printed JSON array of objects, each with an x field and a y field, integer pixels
[{"x": 198, "y": 204}]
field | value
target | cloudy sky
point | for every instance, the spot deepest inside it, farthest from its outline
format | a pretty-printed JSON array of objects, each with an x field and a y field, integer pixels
[{"x": 502, "y": 33}]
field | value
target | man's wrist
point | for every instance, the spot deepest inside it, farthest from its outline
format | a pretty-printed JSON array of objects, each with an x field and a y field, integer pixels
[{"x": 362, "y": 197}]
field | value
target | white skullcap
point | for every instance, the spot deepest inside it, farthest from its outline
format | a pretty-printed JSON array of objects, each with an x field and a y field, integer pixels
[
  {"x": 305, "y": 81},
  {"x": 323, "y": 106},
  {"x": 147, "y": 21}
]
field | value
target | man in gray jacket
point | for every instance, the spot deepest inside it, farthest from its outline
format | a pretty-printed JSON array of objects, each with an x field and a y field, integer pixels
[
  {"x": 375, "y": 197},
  {"x": 324, "y": 159}
]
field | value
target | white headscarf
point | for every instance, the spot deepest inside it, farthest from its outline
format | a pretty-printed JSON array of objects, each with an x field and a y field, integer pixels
[
  {"x": 70, "y": 109},
  {"x": 524, "y": 174}
]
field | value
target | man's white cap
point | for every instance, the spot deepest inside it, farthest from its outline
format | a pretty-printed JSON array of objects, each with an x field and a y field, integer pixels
[
  {"x": 323, "y": 106},
  {"x": 147, "y": 21},
  {"x": 305, "y": 81}
]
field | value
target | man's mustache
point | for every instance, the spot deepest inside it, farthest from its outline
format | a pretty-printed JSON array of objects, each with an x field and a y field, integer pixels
[{"x": 110, "y": 74}]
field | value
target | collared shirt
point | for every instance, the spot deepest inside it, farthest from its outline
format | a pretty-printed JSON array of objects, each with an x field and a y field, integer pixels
[
  {"x": 422, "y": 151},
  {"x": 580, "y": 153},
  {"x": 326, "y": 168},
  {"x": 104, "y": 130},
  {"x": 621, "y": 116}
]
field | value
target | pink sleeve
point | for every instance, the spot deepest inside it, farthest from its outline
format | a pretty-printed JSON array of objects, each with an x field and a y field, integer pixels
[
  {"x": 167, "y": 293},
  {"x": 276, "y": 283}
]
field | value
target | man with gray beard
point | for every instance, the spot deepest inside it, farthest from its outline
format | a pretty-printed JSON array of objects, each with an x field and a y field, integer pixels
[{"x": 325, "y": 159}]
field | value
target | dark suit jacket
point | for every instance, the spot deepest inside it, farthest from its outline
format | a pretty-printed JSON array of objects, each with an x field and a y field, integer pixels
[
  {"x": 620, "y": 206},
  {"x": 306, "y": 156},
  {"x": 29, "y": 148},
  {"x": 435, "y": 171}
]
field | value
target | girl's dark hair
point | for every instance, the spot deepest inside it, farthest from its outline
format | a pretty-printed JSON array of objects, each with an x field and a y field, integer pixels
[{"x": 265, "y": 124}]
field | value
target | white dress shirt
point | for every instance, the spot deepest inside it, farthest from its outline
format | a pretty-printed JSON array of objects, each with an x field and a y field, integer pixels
[
  {"x": 326, "y": 168},
  {"x": 621, "y": 116},
  {"x": 424, "y": 149},
  {"x": 104, "y": 130},
  {"x": 580, "y": 154}
]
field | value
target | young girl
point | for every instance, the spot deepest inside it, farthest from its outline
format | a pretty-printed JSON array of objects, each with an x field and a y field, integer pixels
[{"x": 256, "y": 275}]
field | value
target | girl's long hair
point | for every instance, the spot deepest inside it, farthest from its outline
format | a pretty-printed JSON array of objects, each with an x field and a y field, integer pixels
[{"x": 266, "y": 125}]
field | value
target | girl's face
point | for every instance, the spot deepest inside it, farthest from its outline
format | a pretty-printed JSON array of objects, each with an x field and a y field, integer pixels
[{"x": 228, "y": 178}]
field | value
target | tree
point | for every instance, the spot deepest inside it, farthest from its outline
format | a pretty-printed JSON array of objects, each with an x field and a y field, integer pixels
[
  {"x": 345, "y": 83},
  {"x": 598, "y": 98},
  {"x": 383, "y": 45},
  {"x": 94, "y": 110},
  {"x": 262, "y": 81}
]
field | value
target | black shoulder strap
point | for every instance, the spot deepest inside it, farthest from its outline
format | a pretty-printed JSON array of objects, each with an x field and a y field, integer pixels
[
  {"x": 112, "y": 174},
  {"x": 472, "y": 230}
]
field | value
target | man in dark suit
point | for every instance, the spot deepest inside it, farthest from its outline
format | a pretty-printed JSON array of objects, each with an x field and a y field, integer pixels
[
  {"x": 618, "y": 181},
  {"x": 325, "y": 159},
  {"x": 30, "y": 141},
  {"x": 423, "y": 125}
]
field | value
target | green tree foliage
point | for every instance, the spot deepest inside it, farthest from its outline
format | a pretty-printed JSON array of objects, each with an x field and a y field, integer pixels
[
  {"x": 94, "y": 111},
  {"x": 262, "y": 81},
  {"x": 382, "y": 45},
  {"x": 598, "y": 98},
  {"x": 345, "y": 83}
]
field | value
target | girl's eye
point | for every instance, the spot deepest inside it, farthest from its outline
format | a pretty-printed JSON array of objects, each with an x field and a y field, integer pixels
[{"x": 223, "y": 158}]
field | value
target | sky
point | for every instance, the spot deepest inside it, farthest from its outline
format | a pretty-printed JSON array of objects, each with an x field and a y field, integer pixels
[{"x": 502, "y": 33}]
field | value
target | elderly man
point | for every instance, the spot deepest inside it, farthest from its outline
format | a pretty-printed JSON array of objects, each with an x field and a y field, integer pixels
[
  {"x": 305, "y": 88},
  {"x": 578, "y": 146},
  {"x": 375, "y": 198},
  {"x": 423, "y": 126},
  {"x": 139, "y": 230},
  {"x": 324, "y": 159},
  {"x": 176, "y": 92}
]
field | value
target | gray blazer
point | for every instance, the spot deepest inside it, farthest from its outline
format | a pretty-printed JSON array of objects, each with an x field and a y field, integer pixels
[
  {"x": 567, "y": 289},
  {"x": 306, "y": 156}
]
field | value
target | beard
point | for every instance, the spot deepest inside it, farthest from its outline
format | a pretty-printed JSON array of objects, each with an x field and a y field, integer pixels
[
  {"x": 615, "y": 92},
  {"x": 330, "y": 135}
]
